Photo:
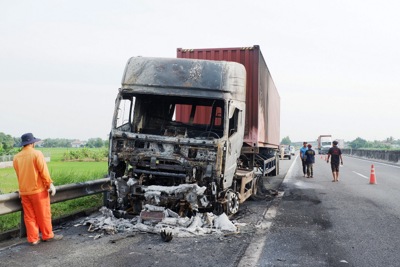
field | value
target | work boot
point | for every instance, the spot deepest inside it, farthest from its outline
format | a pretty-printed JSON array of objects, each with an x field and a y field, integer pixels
[{"x": 55, "y": 238}]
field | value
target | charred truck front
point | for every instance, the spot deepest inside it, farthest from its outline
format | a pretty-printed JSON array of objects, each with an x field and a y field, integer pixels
[{"x": 177, "y": 135}]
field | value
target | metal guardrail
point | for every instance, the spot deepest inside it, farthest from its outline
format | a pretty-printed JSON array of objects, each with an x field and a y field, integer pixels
[
  {"x": 9, "y": 158},
  {"x": 11, "y": 202},
  {"x": 391, "y": 156},
  {"x": 8, "y": 163}
]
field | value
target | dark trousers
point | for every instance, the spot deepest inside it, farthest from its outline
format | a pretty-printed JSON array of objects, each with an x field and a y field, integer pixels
[
  {"x": 310, "y": 169},
  {"x": 304, "y": 166}
]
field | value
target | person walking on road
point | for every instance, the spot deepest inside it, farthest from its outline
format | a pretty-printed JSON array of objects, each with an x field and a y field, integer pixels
[
  {"x": 310, "y": 160},
  {"x": 303, "y": 149},
  {"x": 335, "y": 154},
  {"x": 282, "y": 152},
  {"x": 34, "y": 181}
]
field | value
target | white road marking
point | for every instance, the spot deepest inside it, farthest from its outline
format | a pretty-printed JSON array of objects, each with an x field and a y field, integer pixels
[
  {"x": 255, "y": 248},
  {"x": 253, "y": 252},
  {"x": 375, "y": 162},
  {"x": 363, "y": 176},
  {"x": 289, "y": 172}
]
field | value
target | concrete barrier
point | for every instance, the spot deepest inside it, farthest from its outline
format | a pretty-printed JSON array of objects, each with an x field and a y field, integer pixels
[{"x": 6, "y": 164}]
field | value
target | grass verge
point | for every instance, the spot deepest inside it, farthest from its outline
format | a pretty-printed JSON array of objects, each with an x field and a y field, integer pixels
[{"x": 62, "y": 172}]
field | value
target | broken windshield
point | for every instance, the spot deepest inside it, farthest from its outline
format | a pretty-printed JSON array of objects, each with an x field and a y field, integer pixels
[{"x": 171, "y": 116}]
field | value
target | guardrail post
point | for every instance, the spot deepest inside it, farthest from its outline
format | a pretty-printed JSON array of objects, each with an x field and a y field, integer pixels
[
  {"x": 22, "y": 228},
  {"x": 105, "y": 197}
]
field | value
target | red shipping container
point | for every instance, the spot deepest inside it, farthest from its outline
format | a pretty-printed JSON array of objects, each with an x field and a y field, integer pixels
[{"x": 262, "y": 126}]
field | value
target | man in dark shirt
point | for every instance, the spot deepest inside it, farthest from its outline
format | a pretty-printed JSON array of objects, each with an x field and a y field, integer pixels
[
  {"x": 335, "y": 154},
  {"x": 310, "y": 160},
  {"x": 303, "y": 149}
]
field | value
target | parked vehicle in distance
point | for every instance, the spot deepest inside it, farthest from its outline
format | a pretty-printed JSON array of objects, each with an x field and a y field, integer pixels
[
  {"x": 292, "y": 150},
  {"x": 288, "y": 153},
  {"x": 285, "y": 152},
  {"x": 324, "y": 150},
  {"x": 324, "y": 143}
]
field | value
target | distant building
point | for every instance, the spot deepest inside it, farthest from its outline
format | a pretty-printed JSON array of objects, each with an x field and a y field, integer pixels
[
  {"x": 78, "y": 143},
  {"x": 341, "y": 143}
]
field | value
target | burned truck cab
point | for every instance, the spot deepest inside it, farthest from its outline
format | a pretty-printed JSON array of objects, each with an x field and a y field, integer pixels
[{"x": 176, "y": 136}]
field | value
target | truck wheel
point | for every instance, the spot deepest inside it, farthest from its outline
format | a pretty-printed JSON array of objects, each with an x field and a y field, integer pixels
[{"x": 232, "y": 202}]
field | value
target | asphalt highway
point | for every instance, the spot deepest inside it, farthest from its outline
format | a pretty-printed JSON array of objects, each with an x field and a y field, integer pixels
[{"x": 347, "y": 223}]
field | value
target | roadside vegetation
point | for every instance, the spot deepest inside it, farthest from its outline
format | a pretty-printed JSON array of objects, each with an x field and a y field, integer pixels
[
  {"x": 86, "y": 154},
  {"x": 66, "y": 166},
  {"x": 389, "y": 143}
]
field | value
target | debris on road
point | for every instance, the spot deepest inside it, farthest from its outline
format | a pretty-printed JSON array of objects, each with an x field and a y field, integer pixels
[
  {"x": 166, "y": 235},
  {"x": 168, "y": 224}
]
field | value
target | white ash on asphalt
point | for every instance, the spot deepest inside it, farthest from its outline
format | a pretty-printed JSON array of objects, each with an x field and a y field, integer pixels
[{"x": 201, "y": 224}]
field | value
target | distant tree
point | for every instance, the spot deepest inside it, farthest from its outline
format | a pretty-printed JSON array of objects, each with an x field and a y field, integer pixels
[
  {"x": 107, "y": 143},
  {"x": 286, "y": 141},
  {"x": 358, "y": 143},
  {"x": 379, "y": 145},
  {"x": 95, "y": 142},
  {"x": 49, "y": 142},
  {"x": 6, "y": 142},
  {"x": 17, "y": 141},
  {"x": 390, "y": 140}
]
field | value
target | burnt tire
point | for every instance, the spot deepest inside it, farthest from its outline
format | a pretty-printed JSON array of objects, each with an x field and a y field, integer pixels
[{"x": 218, "y": 209}]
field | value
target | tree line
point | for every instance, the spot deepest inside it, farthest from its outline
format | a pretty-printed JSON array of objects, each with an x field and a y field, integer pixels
[
  {"x": 387, "y": 144},
  {"x": 360, "y": 143},
  {"x": 11, "y": 145}
]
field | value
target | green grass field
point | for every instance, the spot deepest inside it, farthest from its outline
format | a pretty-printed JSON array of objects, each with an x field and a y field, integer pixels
[{"x": 61, "y": 172}]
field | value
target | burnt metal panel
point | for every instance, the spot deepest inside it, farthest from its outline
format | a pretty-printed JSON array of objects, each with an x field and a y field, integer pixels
[
  {"x": 183, "y": 77},
  {"x": 262, "y": 126}
]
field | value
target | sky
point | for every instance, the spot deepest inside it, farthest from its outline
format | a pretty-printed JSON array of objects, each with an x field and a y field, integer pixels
[{"x": 336, "y": 64}]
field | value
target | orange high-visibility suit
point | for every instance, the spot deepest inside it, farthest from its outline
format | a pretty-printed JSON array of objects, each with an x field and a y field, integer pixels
[{"x": 34, "y": 180}]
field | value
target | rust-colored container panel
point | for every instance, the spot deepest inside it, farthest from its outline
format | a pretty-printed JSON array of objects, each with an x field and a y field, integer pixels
[
  {"x": 202, "y": 116},
  {"x": 262, "y": 126}
]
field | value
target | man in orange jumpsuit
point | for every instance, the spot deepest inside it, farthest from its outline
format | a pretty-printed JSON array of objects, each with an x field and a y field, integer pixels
[{"x": 34, "y": 182}]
